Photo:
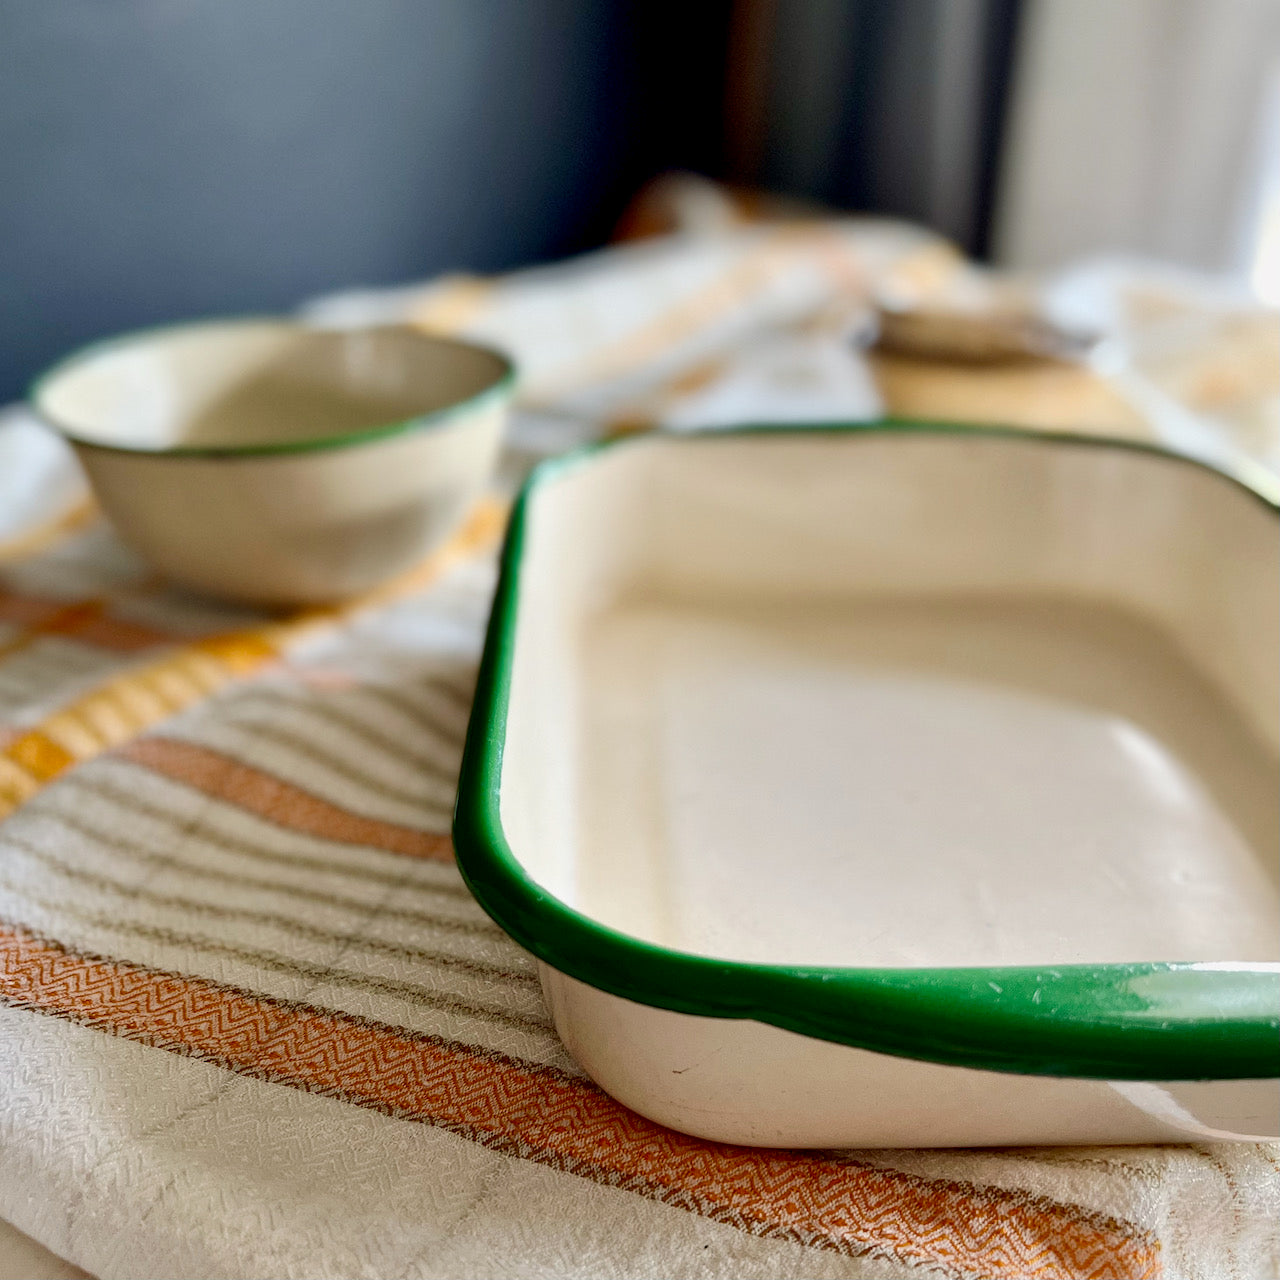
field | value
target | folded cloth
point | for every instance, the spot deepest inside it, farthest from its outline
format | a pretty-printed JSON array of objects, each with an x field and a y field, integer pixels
[
  {"x": 253, "y": 1025},
  {"x": 694, "y": 328}
]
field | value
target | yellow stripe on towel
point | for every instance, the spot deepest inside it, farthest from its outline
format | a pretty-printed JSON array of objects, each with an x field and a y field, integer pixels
[
  {"x": 49, "y": 532},
  {"x": 127, "y": 704}
]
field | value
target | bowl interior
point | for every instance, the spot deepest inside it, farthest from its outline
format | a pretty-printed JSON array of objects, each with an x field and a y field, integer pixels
[{"x": 259, "y": 384}]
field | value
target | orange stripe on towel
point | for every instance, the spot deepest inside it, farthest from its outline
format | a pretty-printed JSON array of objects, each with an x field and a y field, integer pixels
[
  {"x": 278, "y": 801},
  {"x": 539, "y": 1113},
  {"x": 86, "y": 621}
]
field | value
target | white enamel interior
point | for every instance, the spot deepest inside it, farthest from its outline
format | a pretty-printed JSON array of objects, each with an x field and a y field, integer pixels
[
  {"x": 258, "y": 382},
  {"x": 900, "y": 699}
]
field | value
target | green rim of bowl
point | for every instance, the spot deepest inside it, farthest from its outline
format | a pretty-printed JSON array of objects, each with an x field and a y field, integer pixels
[
  {"x": 500, "y": 389},
  {"x": 1152, "y": 1021}
]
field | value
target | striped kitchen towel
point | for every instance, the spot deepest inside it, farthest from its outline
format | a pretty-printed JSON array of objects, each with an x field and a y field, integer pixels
[{"x": 251, "y": 1022}]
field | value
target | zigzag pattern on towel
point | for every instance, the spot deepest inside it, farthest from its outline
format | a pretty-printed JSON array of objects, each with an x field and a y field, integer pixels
[{"x": 542, "y": 1114}]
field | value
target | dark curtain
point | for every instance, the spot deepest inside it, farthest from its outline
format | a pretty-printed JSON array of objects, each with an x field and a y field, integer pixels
[{"x": 891, "y": 106}]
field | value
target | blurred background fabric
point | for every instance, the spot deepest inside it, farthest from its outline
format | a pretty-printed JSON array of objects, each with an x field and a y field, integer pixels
[
  {"x": 1151, "y": 126},
  {"x": 161, "y": 159}
]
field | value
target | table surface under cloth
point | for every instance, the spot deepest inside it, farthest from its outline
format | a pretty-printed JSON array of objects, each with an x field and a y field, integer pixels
[{"x": 251, "y": 1022}]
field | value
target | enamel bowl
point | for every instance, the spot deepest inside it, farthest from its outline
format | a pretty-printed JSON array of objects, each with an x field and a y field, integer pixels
[
  {"x": 277, "y": 464},
  {"x": 892, "y": 786}
]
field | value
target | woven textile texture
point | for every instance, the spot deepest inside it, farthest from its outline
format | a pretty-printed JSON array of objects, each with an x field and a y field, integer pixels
[{"x": 251, "y": 1022}]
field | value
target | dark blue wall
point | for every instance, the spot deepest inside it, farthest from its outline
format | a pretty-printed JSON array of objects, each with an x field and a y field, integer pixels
[{"x": 170, "y": 158}]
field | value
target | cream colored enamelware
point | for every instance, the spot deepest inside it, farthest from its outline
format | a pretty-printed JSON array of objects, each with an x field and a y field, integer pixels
[
  {"x": 901, "y": 700},
  {"x": 277, "y": 464}
]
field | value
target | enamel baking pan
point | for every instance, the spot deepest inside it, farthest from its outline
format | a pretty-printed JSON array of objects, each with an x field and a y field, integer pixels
[{"x": 892, "y": 786}]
